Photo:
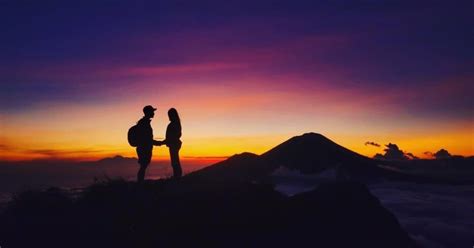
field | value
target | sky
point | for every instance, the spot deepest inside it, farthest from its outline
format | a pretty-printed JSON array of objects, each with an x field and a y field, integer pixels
[{"x": 243, "y": 75}]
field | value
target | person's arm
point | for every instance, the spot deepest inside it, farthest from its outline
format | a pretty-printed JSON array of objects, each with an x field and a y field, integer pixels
[{"x": 168, "y": 134}]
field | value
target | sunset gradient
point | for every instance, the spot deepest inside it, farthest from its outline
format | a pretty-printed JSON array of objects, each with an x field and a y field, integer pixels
[{"x": 243, "y": 76}]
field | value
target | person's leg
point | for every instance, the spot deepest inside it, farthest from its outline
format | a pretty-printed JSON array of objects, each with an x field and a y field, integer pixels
[
  {"x": 144, "y": 159},
  {"x": 174, "y": 155},
  {"x": 141, "y": 173}
]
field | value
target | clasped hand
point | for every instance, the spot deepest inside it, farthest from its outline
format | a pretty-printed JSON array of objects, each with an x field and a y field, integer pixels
[{"x": 158, "y": 143}]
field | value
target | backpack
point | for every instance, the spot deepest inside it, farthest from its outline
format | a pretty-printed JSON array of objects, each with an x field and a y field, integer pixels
[{"x": 134, "y": 136}]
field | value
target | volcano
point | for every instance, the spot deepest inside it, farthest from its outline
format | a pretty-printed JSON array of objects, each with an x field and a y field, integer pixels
[{"x": 310, "y": 153}]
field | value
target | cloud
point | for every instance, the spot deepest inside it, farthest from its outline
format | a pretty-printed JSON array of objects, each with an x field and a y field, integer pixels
[
  {"x": 392, "y": 152},
  {"x": 183, "y": 68},
  {"x": 372, "y": 143},
  {"x": 435, "y": 215},
  {"x": 16, "y": 152},
  {"x": 428, "y": 153},
  {"x": 4, "y": 147},
  {"x": 60, "y": 153},
  {"x": 410, "y": 155},
  {"x": 442, "y": 154}
]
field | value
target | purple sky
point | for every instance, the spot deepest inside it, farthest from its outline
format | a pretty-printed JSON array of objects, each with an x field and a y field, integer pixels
[{"x": 392, "y": 64}]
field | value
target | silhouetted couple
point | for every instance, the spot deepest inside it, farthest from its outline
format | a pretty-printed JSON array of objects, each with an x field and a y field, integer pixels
[{"x": 172, "y": 141}]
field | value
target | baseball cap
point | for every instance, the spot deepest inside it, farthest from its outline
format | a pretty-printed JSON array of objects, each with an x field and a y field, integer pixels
[{"x": 148, "y": 108}]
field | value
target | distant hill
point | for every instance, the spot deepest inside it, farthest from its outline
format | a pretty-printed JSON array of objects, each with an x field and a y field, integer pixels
[{"x": 117, "y": 160}]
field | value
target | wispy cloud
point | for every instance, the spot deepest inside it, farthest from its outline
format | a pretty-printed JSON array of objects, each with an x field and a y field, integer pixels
[
  {"x": 184, "y": 68},
  {"x": 372, "y": 144},
  {"x": 12, "y": 151}
]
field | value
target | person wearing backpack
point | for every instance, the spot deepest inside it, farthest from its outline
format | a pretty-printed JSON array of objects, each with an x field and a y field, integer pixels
[{"x": 141, "y": 136}]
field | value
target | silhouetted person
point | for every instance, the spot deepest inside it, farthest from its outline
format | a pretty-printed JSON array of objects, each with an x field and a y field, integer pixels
[
  {"x": 173, "y": 142},
  {"x": 145, "y": 148}
]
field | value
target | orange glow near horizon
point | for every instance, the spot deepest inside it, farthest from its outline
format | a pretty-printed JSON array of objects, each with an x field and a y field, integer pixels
[
  {"x": 98, "y": 145},
  {"x": 219, "y": 121}
]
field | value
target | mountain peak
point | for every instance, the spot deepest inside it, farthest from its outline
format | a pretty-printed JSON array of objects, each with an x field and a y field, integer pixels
[{"x": 311, "y": 136}]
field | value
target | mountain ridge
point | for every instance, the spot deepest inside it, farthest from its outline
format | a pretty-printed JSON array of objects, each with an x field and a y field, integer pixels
[{"x": 309, "y": 153}]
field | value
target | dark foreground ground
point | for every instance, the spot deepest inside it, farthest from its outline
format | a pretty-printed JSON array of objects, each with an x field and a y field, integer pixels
[
  {"x": 234, "y": 203},
  {"x": 190, "y": 213}
]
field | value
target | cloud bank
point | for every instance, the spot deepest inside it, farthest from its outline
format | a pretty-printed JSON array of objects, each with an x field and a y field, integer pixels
[{"x": 392, "y": 152}]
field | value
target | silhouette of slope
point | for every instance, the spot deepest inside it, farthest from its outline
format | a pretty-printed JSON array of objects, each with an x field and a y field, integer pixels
[
  {"x": 347, "y": 207},
  {"x": 244, "y": 167}
]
